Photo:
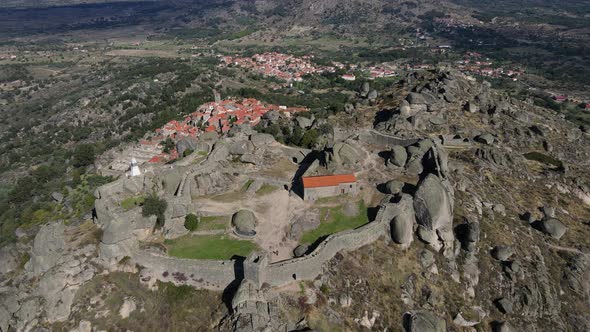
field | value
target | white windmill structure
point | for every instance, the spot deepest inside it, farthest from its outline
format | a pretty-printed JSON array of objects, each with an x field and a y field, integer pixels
[{"x": 135, "y": 171}]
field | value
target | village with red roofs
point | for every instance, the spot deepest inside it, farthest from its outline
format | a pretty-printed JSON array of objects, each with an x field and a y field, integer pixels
[
  {"x": 216, "y": 117},
  {"x": 282, "y": 66},
  {"x": 220, "y": 116},
  {"x": 475, "y": 63}
]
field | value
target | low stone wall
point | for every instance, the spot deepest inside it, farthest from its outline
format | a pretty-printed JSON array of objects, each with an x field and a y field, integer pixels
[
  {"x": 377, "y": 138},
  {"x": 207, "y": 274}
]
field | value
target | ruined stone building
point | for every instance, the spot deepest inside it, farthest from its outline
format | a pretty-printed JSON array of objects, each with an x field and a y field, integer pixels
[{"x": 315, "y": 187}]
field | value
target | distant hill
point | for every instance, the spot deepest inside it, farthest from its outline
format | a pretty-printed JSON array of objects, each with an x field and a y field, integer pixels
[{"x": 57, "y": 3}]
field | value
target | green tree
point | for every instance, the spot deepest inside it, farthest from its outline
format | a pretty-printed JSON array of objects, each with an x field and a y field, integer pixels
[
  {"x": 43, "y": 174},
  {"x": 296, "y": 136},
  {"x": 310, "y": 138},
  {"x": 84, "y": 155},
  {"x": 326, "y": 129},
  {"x": 191, "y": 222},
  {"x": 23, "y": 191},
  {"x": 155, "y": 206},
  {"x": 168, "y": 145}
]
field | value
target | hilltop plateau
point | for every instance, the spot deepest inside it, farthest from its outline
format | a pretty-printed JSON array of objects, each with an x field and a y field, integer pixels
[{"x": 265, "y": 165}]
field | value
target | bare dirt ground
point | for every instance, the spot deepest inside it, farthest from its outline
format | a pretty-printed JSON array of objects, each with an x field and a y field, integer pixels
[{"x": 274, "y": 212}]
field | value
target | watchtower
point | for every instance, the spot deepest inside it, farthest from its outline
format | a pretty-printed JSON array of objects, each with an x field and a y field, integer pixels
[{"x": 255, "y": 268}]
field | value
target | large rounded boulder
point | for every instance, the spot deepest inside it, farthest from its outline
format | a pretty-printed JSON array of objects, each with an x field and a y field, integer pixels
[
  {"x": 244, "y": 223},
  {"x": 425, "y": 321},
  {"x": 398, "y": 156},
  {"x": 553, "y": 227},
  {"x": 433, "y": 203},
  {"x": 402, "y": 225}
]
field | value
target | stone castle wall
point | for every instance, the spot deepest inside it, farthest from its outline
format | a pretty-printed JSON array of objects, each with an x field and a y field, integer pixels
[
  {"x": 216, "y": 275},
  {"x": 207, "y": 274},
  {"x": 310, "y": 266},
  {"x": 211, "y": 274},
  {"x": 123, "y": 230}
]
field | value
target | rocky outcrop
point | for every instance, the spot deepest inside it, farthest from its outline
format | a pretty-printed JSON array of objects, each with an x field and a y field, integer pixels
[
  {"x": 47, "y": 293},
  {"x": 252, "y": 312},
  {"x": 127, "y": 308},
  {"x": 402, "y": 225},
  {"x": 424, "y": 321},
  {"x": 345, "y": 154},
  {"x": 261, "y": 140},
  {"x": 220, "y": 152},
  {"x": 48, "y": 248},
  {"x": 433, "y": 204},
  {"x": 502, "y": 253},
  {"x": 398, "y": 156},
  {"x": 8, "y": 259},
  {"x": 241, "y": 148},
  {"x": 553, "y": 227},
  {"x": 468, "y": 234},
  {"x": 393, "y": 187},
  {"x": 576, "y": 275},
  {"x": 209, "y": 182},
  {"x": 59, "y": 287},
  {"x": 191, "y": 144}
]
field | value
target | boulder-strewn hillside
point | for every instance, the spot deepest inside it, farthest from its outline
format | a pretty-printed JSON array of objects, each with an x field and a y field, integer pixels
[
  {"x": 485, "y": 200},
  {"x": 463, "y": 204}
]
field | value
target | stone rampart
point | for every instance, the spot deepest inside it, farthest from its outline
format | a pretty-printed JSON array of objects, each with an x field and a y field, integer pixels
[
  {"x": 207, "y": 274},
  {"x": 310, "y": 266}
]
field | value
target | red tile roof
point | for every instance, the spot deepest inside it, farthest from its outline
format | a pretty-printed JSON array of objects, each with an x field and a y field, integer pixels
[{"x": 327, "y": 181}]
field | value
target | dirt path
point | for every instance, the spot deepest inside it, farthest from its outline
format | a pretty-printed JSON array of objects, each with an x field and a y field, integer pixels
[{"x": 274, "y": 212}]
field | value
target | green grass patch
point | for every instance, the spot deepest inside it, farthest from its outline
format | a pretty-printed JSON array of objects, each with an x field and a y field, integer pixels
[
  {"x": 247, "y": 185},
  {"x": 219, "y": 247},
  {"x": 266, "y": 189},
  {"x": 544, "y": 159},
  {"x": 132, "y": 202},
  {"x": 211, "y": 223},
  {"x": 334, "y": 221},
  {"x": 328, "y": 200}
]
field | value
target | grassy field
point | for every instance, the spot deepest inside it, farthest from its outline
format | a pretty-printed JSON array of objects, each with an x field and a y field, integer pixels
[
  {"x": 208, "y": 247},
  {"x": 211, "y": 223},
  {"x": 335, "y": 222}
]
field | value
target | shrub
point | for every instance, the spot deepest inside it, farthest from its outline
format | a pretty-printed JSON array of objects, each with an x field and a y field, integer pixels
[
  {"x": 84, "y": 155},
  {"x": 191, "y": 222},
  {"x": 309, "y": 139},
  {"x": 187, "y": 152},
  {"x": 168, "y": 145},
  {"x": 154, "y": 206}
]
